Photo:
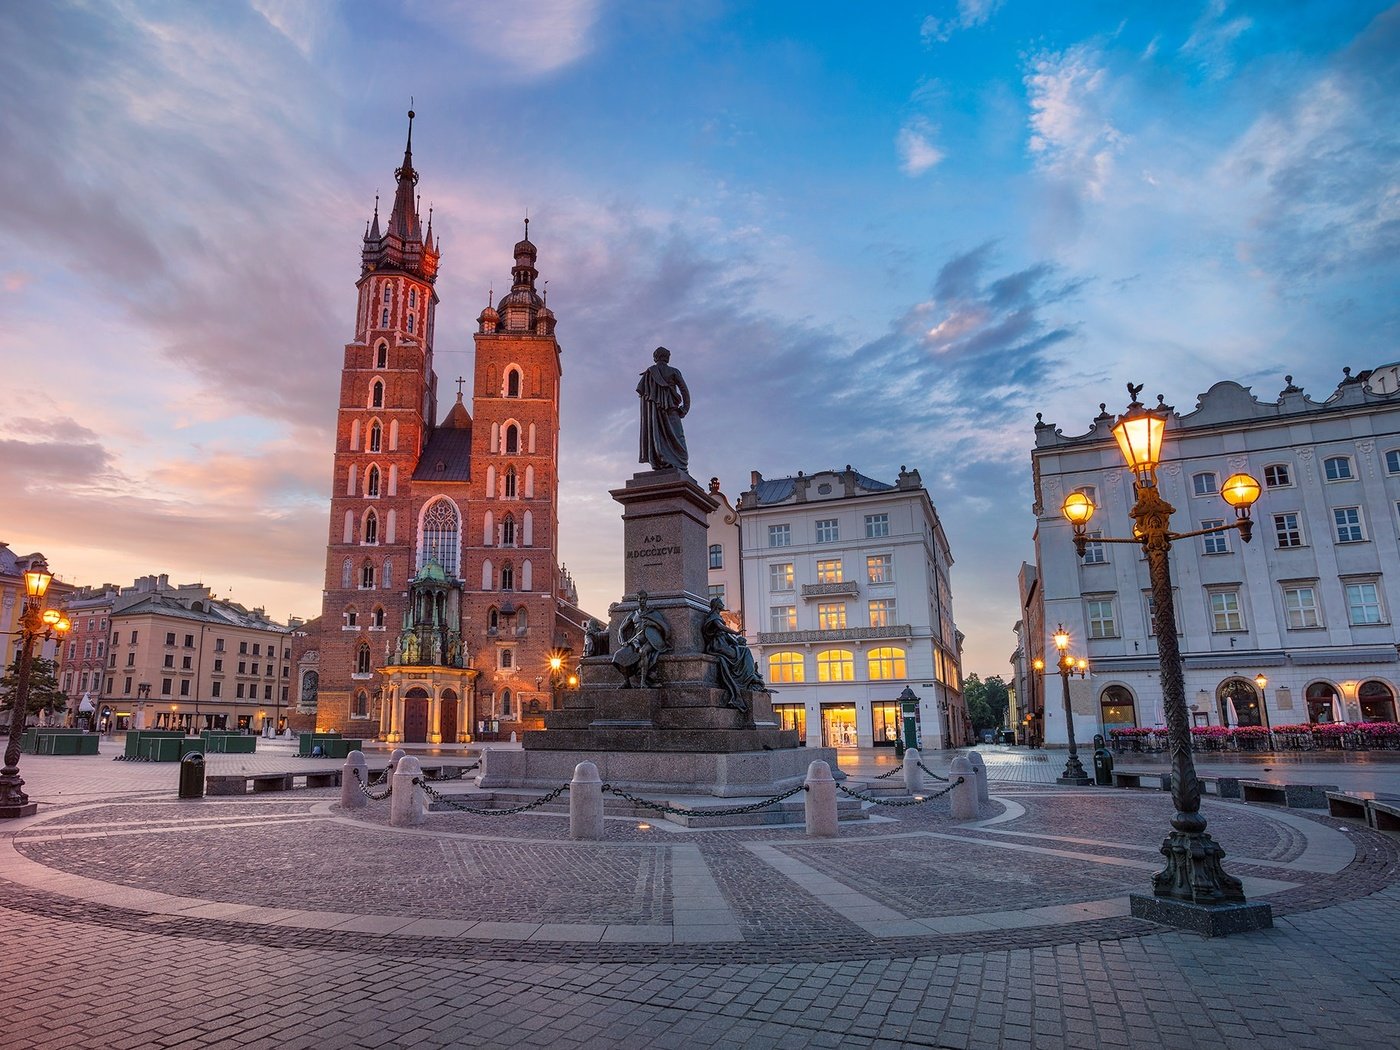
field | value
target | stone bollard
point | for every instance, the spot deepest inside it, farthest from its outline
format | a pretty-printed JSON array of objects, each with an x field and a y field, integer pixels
[
  {"x": 964, "y": 795},
  {"x": 980, "y": 768},
  {"x": 407, "y": 805},
  {"x": 586, "y": 803},
  {"x": 394, "y": 757},
  {"x": 913, "y": 775},
  {"x": 821, "y": 801},
  {"x": 351, "y": 797}
]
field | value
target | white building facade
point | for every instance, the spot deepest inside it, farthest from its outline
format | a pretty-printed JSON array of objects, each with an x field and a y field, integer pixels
[
  {"x": 847, "y": 603},
  {"x": 1310, "y": 604}
]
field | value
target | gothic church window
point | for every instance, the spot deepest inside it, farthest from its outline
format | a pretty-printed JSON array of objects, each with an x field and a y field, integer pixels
[
  {"x": 378, "y": 617},
  {"x": 381, "y": 356},
  {"x": 362, "y": 659},
  {"x": 386, "y": 578},
  {"x": 386, "y": 294},
  {"x": 372, "y": 482},
  {"x": 513, "y": 382},
  {"x": 507, "y": 577},
  {"x": 361, "y": 708},
  {"x": 371, "y": 535},
  {"x": 410, "y": 322},
  {"x": 442, "y": 530},
  {"x": 376, "y": 436},
  {"x": 510, "y": 483},
  {"x": 366, "y": 577},
  {"x": 346, "y": 571},
  {"x": 508, "y": 531},
  {"x": 384, "y": 317},
  {"x": 412, "y": 298},
  {"x": 512, "y": 439},
  {"x": 376, "y": 394}
]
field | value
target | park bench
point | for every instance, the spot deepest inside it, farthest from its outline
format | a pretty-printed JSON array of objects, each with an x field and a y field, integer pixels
[
  {"x": 1128, "y": 778},
  {"x": 1383, "y": 814},
  {"x": 1293, "y": 796},
  {"x": 1348, "y": 805},
  {"x": 243, "y": 783}
]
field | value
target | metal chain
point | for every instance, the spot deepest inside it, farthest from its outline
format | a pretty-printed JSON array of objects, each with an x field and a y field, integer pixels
[
  {"x": 355, "y": 772},
  {"x": 932, "y": 773},
  {"x": 895, "y": 802},
  {"x": 733, "y": 811},
  {"x": 453, "y": 773},
  {"x": 893, "y": 772},
  {"x": 448, "y": 801}
]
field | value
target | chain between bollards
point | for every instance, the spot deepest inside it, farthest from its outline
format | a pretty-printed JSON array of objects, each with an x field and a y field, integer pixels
[
  {"x": 479, "y": 811},
  {"x": 892, "y": 773},
  {"x": 365, "y": 790},
  {"x": 932, "y": 773},
  {"x": 733, "y": 811},
  {"x": 896, "y": 802}
]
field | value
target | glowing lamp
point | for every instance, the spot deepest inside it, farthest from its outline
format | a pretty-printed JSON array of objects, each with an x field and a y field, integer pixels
[
  {"x": 1240, "y": 491},
  {"x": 556, "y": 662},
  {"x": 51, "y": 617},
  {"x": 1038, "y": 664},
  {"x": 37, "y": 580},
  {"x": 1139, "y": 436},
  {"x": 1077, "y": 509},
  {"x": 63, "y": 625},
  {"x": 1261, "y": 680},
  {"x": 1061, "y": 638},
  {"x": 1083, "y": 665}
]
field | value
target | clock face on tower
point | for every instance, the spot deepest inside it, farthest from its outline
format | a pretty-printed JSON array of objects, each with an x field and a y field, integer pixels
[{"x": 1384, "y": 380}]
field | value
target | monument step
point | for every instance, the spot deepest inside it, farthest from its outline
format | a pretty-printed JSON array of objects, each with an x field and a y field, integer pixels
[{"x": 649, "y": 738}]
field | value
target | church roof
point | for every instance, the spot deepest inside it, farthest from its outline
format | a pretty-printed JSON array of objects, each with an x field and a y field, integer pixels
[{"x": 448, "y": 454}]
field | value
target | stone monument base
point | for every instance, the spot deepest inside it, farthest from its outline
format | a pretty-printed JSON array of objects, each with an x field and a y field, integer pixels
[
  {"x": 727, "y": 775},
  {"x": 1209, "y": 920}
]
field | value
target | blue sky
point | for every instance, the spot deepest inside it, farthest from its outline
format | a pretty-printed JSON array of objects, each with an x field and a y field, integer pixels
[{"x": 878, "y": 239}]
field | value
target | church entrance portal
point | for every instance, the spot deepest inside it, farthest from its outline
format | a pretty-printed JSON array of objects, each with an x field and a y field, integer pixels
[
  {"x": 447, "y": 721},
  {"x": 415, "y": 717}
]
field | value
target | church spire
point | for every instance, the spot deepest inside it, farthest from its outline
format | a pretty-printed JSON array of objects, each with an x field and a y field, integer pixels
[
  {"x": 403, "y": 222},
  {"x": 402, "y": 246}
]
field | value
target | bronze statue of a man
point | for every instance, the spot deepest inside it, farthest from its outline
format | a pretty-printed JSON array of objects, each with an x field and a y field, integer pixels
[
  {"x": 645, "y": 636},
  {"x": 665, "y": 402}
]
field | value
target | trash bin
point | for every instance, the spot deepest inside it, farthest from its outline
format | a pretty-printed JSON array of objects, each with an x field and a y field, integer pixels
[
  {"x": 1103, "y": 763},
  {"x": 192, "y": 775}
]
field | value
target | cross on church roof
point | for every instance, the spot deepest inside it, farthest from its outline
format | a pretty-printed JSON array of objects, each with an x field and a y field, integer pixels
[{"x": 460, "y": 381}]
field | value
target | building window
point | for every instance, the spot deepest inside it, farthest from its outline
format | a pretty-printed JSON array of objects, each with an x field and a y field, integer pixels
[
  {"x": 184, "y": 687},
  {"x": 170, "y": 638},
  {"x": 879, "y": 569},
  {"x": 441, "y": 536},
  {"x": 831, "y": 616},
  {"x": 506, "y": 710},
  {"x": 165, "y": 686},
  {"x": 1300, "y": 607},
  {"x": 387, "y": 299},
  {"x": 780, "y": 535},
  {"x": 828, "y": 531},
  {"x": 510, "y": 483},
  {"x": 782, "y": 618},
  {"x": 1287, "y": 531},
  {"x": 1225, "y": 614},
  {"x": 886, "y": 663},
  {"x": 1215, "y": 542},
  {"x": 1377, "y": 702},
  {"x": 187, "y": 663},
  {"x": 1337, "y": 468},
  {"x": 169, "y": 660},
  {"x": 513, "y": 382},
  {"x": 1348, "y": 522},
  {"x": 371, "y": 528},
  {"x": 376, "y": 436},
  {"x": 780, "y": 576},
  {"x": 717, "y": 591},
  {"x": 1205, "y": 483},
  {"x": 512, "y": 440},
  {"x": 1278, "y": 476},
  {"x": 787, "y": 667},
  {"x": 381, "y": 356},
  {"x": 372, "y": 482},
  {"x": 829, "y": 570},
  {"x": 376, "y": 618},
  {"x": 216, "y": 688},
  {"x": 836, "y": 665},
  {"x": 508, "y": 531},
  {"x": 360, "y": 709},
  {"x": 238, "y": 691},
  {"x": 507, "y": 578},
  {"x": 376, "y": 398},
  {"x": 367, "y": 577},
  {"x": 1364, "y": 604},
  {"x": 507, "y": 659},
  {"x": 876, "y": 526},
  {"x": 362, "y": 659},
  {"x": 1100, "y": 615},
  {"x": 189, "y": 643},
  {"x": 881, "y": 612},
  {"x": 384, "y": 318},
  {"x": 716, "y": 556},
  {"x": 1094, "y": 552},
  {"x": 1392, "y": 461}
]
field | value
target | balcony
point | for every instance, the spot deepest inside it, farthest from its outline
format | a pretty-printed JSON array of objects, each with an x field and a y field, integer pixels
[
  {"x": 848, "y": 588},
  {"x": 849, "y": 634}
]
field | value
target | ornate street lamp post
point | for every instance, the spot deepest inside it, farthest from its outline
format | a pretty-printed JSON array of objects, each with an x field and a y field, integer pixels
[
  {"x": 1193, "y": 890},
  {"x": 1068, "y": 666},
  {"x": 35, "y": 622}
]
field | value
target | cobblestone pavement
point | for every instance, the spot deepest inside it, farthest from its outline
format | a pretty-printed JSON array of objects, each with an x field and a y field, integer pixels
[{"x": 135, "y": 920}]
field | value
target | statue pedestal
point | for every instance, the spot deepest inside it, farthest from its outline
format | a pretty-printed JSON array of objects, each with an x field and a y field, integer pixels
[{"x": 684, "y": 734}]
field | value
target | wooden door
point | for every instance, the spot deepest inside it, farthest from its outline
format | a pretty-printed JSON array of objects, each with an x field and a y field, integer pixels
[
  {"x": 447, "y": 718},
  {"x": 415, "y": 717}
]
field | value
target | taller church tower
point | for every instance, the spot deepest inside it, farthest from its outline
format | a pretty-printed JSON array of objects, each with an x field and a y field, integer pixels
[{"x": 462, "y": 513}]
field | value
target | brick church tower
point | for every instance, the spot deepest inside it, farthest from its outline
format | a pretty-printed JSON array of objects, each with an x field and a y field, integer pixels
[{"x": 464, "y": 511}]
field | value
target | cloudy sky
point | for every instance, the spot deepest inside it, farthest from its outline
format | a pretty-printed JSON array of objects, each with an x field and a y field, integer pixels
[{"x": 878, "y": 239}]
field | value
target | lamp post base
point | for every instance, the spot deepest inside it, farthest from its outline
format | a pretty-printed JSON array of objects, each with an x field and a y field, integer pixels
[
  {"x": 26, "y": 809},
  {"x": 1074, "y": 773},
  {"x": 1209, "y": 920}
]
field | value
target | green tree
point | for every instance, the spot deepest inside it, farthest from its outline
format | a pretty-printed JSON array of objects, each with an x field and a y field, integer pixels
[
  {"x": 997, "y": 698},
  {"x": 44, "y": 693},
  {"x": 978, "y": 709}
]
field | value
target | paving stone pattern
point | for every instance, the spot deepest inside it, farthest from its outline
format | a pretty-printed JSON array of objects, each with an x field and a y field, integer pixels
[{"x": 781, "y": 967}]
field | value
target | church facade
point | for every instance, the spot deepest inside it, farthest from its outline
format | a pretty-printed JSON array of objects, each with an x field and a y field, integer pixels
[{"x": 446, "y": 616}]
